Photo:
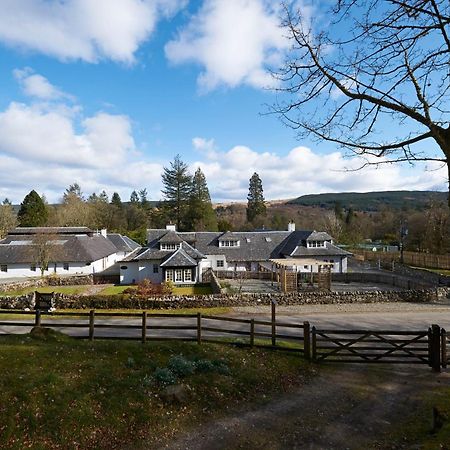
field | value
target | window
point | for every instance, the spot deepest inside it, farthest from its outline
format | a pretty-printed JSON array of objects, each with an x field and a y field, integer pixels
[
  {"x": 155, "y": 268},
  {"x": 220, "y": 263},
  {"x": 229, "y": 243},
  {"x": 3, "y": 268},
  {"x": 169, "y": 246},
  {"x": 305, "y": 267},
  {"x": 66, "y": 266},
  {"x": 169, "y": 275},
  {"x": 33, "y": 267},
  {"x": 178, "y": 275},
  {"x": 187, "y": 275}
]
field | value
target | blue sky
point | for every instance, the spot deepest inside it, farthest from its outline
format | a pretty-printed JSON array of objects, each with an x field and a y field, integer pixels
[{"x": 106, "y": 94}]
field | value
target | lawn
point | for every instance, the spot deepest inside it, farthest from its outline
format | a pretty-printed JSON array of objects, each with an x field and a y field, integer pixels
[
  {"x": 438, "y": 271},
  {"x": 190, "y": 290},
  {"x": 61, "y": 393}
]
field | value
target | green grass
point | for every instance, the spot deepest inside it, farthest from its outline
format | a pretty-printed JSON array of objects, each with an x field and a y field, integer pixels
[
  {"x": 192, "y": 290},
  {"x": 418, "y": 431},
  {"x": 65, "y": 393},
  {"x": 113, "y": 290},
  {"x": 69, "y": 290}
]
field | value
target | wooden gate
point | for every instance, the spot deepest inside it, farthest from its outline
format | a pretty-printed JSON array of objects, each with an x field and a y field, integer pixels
[{"x": 378, "y": 346}]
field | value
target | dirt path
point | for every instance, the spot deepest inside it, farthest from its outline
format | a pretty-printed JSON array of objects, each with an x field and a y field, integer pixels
[{"x": 349, "y": 407}]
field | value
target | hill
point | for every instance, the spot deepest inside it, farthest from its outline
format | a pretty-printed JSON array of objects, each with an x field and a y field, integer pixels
[{"x": 372, "y": 201}]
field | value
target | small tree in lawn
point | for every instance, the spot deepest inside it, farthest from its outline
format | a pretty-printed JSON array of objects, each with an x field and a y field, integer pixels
[
  {"x": 8, "y": 219},
  {"x": 255, "y": 199}
]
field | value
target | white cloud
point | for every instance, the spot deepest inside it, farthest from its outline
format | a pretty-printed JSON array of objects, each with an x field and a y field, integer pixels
[
  {"x": 89, "y": 30},
  {"x": 35, "y": 85},
  {"x": 234, "y": 42},
  {"x": 302, "y": 171}
]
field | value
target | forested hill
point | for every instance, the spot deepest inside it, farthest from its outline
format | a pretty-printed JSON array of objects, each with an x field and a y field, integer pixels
[{"x": 372, "y": 201}]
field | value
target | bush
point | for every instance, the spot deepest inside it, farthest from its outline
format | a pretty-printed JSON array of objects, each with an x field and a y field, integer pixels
[
  {"x": 204, "y": 366},
  {"x": 146, "y": 288},
  {"x": 180, "y": 366},
  {"x": 164, "y": 376}
]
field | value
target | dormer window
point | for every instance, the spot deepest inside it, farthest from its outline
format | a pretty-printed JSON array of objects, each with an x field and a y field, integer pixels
[
  {"x": 166, "y": 246},
  {"x": 229, "y": 243},
  {"x": 316, "y": 243}
]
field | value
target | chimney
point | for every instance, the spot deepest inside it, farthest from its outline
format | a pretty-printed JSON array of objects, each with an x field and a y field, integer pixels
[
  {"x": 291, "y": 226},
  {"x": 171, "y": 227},
  {"x": 103, "y": 232}
]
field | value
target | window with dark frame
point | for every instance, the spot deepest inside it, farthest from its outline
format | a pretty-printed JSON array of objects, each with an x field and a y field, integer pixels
[{"x": 3, "y": 268}]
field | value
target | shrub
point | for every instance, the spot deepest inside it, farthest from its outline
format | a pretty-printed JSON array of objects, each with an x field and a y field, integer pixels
[
  {"x": 164, "y": 376},
  {"x": 204, "y": 366},
  {"x": 221, "y": 367},
  {"x": 180, "y": 366},
  {"x": 130, "y": 362}
]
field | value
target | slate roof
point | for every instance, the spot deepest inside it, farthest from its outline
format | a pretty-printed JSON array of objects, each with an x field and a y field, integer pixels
[
  {"x": 171, "y": 237},
  {"x": 253, "y": 245},
  {"x": 122, "y": 243},
  {"x": 50, "y": 230},
  {"x": 179, "y": 259},
  {"x": 154, "y": 253},
  {"x": 21, "y": 250}
]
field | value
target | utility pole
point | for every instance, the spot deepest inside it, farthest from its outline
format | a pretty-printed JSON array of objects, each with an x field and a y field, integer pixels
[{"x": 403, "y": 234}]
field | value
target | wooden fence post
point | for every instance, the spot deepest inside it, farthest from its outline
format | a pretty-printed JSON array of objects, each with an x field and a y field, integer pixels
[
  {"x": 37, "y": 318},
  {"x": 144, "y": 327},
  {"x": 274, "y": 338},
  {"x": 252, "y": 332},
  {"x": 91, "y": 324},
  {"x": 444, "y": 348},
  {"x": 314, "y": 344},
  {"x": 435, "y": 348},
  {"x": 307, "y": 340},
  {"x": 199, "y": 328}
]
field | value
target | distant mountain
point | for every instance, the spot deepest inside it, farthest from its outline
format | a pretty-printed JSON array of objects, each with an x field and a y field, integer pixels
[{"x": 372, "y": 201}]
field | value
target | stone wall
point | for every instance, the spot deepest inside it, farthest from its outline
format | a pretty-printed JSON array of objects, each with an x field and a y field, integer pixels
[
  {"x": 50, "y": 280},
  {"x": 20, "y": 302}
]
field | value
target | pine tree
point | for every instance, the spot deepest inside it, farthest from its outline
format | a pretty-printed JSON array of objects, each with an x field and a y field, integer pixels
[
  {"x": 201, "y": 215},
  {"x": 255, "y": 199},
  {"x": 116, "y": 200},
  {"x": 134, "y": 198},
  {"x": 177, "y": 186},
  {"x": 32, "y": 212},
  {"x": 73, "y": 191}
]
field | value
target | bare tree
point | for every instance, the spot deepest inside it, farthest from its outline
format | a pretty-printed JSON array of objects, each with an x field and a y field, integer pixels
[
  {"x": 373, "y": 77},
  {"x": 45, "y": 249}
]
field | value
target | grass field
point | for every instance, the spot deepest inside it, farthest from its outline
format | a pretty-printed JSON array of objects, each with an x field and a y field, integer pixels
[{"x": 58, "y": 392}]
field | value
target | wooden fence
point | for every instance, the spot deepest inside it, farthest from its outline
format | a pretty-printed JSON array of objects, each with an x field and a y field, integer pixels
[
  {"x": 321, "y": 345},
  {"x": 196, "y": 327},
  {"x": 415, "y": 259}
]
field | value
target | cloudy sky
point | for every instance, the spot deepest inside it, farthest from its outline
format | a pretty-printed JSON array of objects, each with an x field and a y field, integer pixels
[{"x": 106, "y": 93}]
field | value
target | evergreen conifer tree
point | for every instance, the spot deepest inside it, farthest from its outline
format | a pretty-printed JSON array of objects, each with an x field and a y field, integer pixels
[
  {"x": 177, "y": 186},
  {"x": 134, "y": 197},
  {"x": 32, "y": 212},
  {"x": 255, "y": 199},
  {"x": 116, "y": 200},
  {"x": 201, "y": 215}
]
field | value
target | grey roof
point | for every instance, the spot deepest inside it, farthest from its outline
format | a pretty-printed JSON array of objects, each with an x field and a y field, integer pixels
[
  {"x": 122, "y": 243},
  {"x": 171, "y": 237},
  {"x": 85, "y": 249},
  {"x": 229, "y": 236},
  {"x": 319, "y": 236},
  {"x": 328, "y": 250},
  {"x": 50, "y": 230},
  {"x": 253, "y": 245},
  {"x": 179, "y": 259},
  {"x": 153, "y": 253}
]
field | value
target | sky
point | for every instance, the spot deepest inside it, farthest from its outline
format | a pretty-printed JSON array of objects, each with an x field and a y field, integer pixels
[{"x": 105, "y": 94}]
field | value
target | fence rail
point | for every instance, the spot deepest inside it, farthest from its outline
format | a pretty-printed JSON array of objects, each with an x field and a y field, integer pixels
[
  {"x": 417, "y": 259},
  {"x": 321, "y": 345},
  {"x": 202, "y": 328}
]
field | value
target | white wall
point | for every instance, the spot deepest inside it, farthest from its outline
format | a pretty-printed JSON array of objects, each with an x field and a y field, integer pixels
[
  {"x": 75, "y": 268},
  {"x": 136, "y": 271}
]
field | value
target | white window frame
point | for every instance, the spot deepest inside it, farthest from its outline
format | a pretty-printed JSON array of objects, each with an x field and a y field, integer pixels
[
  {"x": 220, "y": 263},
  {"x": 170, "y": 275},
  {"x": 164, "y": 246},
  {"x": 187, "y": 275},
  {"x": 178, "y": 275}
]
